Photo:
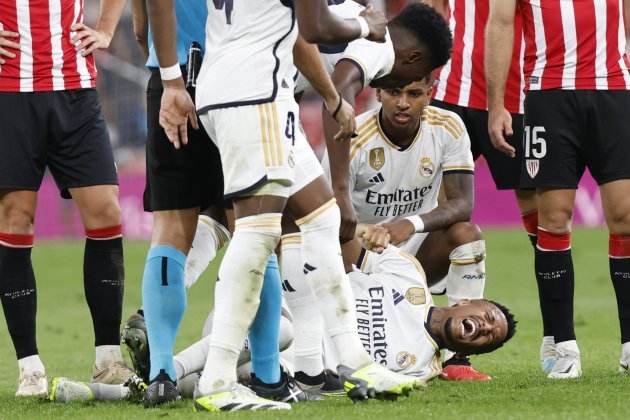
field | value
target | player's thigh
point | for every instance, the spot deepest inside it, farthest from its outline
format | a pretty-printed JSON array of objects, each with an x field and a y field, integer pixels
[
  {"x": 505, "y": 170},
  {"x": 79, "y": 151},
  {"x": 554, "y": 126},
  {"x": 24, "y": 136},
  {"x": 616, "y": 203},
  {"x": 607, "y": 144},
  {"x": 179, "y": 179},
  {"x": 311, "y": 190},
  {"x": 256, "y": 146}
]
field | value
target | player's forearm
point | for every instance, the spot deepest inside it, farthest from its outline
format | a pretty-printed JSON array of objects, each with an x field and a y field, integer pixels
[
  {"x": 499, "y": 40},
  {"x": 162, "y": 18},
  {"x": 109, "y": 16},
  {"x": 440, "y": 5},
  {"x": 457, "y": 204},
  {"x": 308, "y": 61},
  {"x": 140, "y": 24},
  {"x": 447, "y": 214},
  {"x": 318, "y": 25},
  {"x": 347, "y": 81}
]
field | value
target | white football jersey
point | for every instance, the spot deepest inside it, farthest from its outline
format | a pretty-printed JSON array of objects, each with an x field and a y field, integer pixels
[
  {"x": 392, "y": 306},
  {"x": 375, "y": 59},
  {"x": 249, "y": 53},
  {"x": 388, "y": 182}
]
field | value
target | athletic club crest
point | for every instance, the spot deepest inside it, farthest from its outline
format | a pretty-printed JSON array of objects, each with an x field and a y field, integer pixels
[
  {"x": 532, "y": 167},
  {"x": 426, "y": 167},
  {"x": 377, "y": 158}
]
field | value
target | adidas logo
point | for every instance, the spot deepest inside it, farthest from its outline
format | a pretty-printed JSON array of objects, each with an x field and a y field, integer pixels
[
  {"x": 376, "y": 179},
  {"x": 308, "y": 268},
  {"x": 397, "y": 297},
  {"x": 286, "y": 286}
]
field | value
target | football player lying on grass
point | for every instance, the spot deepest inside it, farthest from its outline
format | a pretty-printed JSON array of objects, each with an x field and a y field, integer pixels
[{"x": 396, "y": 319}]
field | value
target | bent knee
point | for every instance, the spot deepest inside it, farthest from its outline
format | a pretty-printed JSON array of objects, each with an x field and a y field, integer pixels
[
  {"x": 556, "y": 221},
  {"x": 463, "y": 233},
  {"x": 17, "y": 214}
]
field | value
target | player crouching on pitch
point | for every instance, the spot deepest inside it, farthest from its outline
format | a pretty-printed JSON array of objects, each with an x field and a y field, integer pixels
[
  {"x": 404, "y": 152},
  {"x": 408, "y": 331}
]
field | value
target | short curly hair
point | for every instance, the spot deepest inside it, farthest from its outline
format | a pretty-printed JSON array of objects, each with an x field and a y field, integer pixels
[
  {"x": 511, "y": 327},
  {"x": 429, "y": 28}
]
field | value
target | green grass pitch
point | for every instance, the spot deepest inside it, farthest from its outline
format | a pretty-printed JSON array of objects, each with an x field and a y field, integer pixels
[{"x": 519, "y": 389}]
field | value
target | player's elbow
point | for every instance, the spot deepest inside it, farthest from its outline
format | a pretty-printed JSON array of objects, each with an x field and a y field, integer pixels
[{"x": 464, "y": 211}]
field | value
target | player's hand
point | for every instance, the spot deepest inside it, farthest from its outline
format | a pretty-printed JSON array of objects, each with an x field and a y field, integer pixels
[
  {"x": 176, "y": 109},
  {"x": 377, "y": 22},
  {"x": 500, "y": 126},
  {"x": 348, "y": 217},
  {"x": 86, "y": 40},
  {"x": 6, "y": 44},
  {"x": 374, "y": 238},
  {"x": 344, "y": 114},
  {"x": 399, "y": 231}
]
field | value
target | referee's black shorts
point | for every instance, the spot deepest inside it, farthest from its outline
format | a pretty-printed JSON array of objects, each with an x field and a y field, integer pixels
[
  {"x": 63, "y": 131},
  {"x": 506, "y": 171},
  {"x": 179, "y": 179},
  {"x": 567, "y": 131}
]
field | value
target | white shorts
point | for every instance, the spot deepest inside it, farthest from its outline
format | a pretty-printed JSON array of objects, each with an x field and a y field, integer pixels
[
  {"x": 263, "y": 149},
  {"x": 413, "y": 244},
  {"x": 256, "y": 143}
]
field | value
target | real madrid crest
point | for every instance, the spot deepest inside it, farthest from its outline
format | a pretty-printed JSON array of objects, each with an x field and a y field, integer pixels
[
  {"x": 405, "y": 359},
  {"x": 415, "y": 296},
  {"x": 427, "y": 169},
  {"x": 377, "y": 158}
]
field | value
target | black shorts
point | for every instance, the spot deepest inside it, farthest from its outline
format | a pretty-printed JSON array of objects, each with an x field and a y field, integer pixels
[
  {"x": 179, "y": 179},
  {"x": 63, "y": 131},
  {"x": 568, "y": 130},
  {"x": 506, "y": 171}
]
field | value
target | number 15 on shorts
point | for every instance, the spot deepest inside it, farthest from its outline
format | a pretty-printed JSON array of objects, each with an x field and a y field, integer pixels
[{"x": 535, "y": 148}]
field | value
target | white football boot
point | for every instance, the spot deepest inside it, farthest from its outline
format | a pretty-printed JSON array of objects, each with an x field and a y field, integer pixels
[
  {"x": 568, "y": 365},
  {"x": 33, "y": 384},
  {"x": 239, "y": 398},
  {"x": 624, "y": 362},
  {"x": 65, "y": 390},
  {"x": 548, "y": 354}
]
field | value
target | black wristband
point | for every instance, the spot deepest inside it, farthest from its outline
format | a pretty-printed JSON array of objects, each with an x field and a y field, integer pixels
[{"x": 334, "y": 114}]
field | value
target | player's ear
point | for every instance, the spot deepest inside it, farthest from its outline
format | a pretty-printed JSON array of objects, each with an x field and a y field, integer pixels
[
  {"x": 463, "y": 302},
  {"x": 415, "y": 56},
  {"x": 378, "y": 95}
]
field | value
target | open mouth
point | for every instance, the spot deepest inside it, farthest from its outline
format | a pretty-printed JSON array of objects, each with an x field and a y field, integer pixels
[
  {"x": 468, "y": 328},
  {"x": 402, "y": 118}
]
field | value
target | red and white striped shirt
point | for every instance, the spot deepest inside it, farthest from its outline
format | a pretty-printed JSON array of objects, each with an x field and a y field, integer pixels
[
  {"x": 579, "y": 44},
  {"x": 462, "y": 81},
  {"x": 47, "y": 59}
]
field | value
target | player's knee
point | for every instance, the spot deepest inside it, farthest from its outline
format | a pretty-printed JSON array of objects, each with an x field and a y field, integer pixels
[
  {"x": 102, "y": 211},
  {"x": 619, "y": 221},
  {"x": 463, "y": 233},
  {"x": 326, "y": 220},
  {"x": 17, "y": 217},
  {"x": 557, "y": 221}
]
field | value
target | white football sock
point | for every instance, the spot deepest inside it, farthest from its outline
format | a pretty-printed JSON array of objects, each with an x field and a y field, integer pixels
[
  {"x": 107, "y": 355},
  {"x": 30, "y": 364},
  {"x": 209, "y": 238},
  {"x": 308, "y": 325},
  {"x": 323, "y": 267},
  {"x": 192, "y": 358},
  {"x": 237, "y": 296},
  {"x": 106, "y": 392},
  {"x": 466, "y": 276}
]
